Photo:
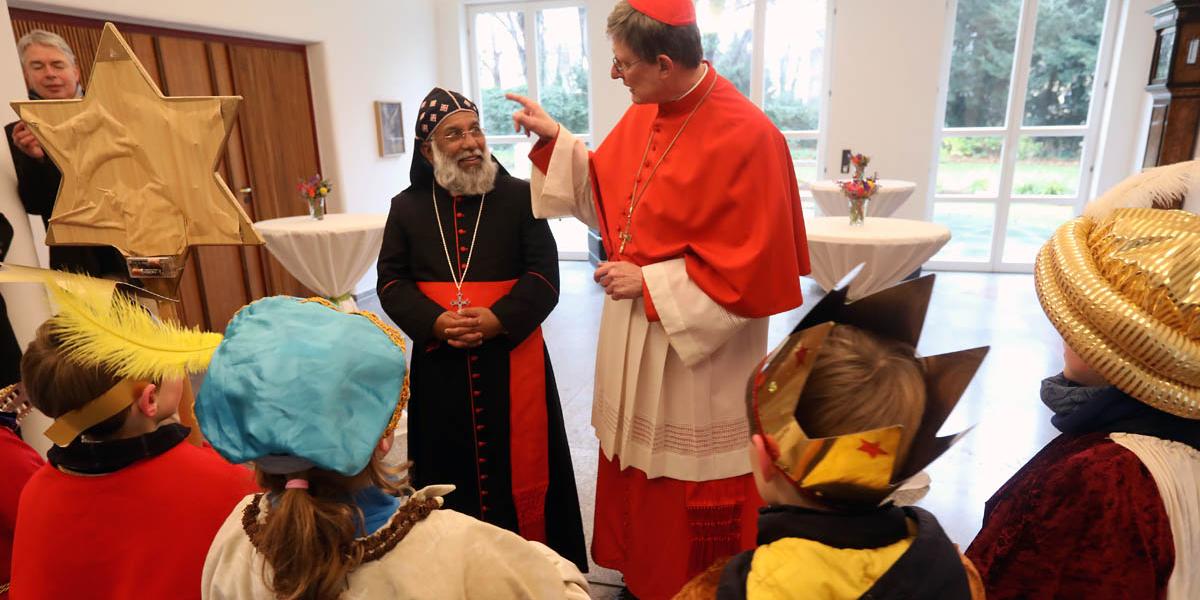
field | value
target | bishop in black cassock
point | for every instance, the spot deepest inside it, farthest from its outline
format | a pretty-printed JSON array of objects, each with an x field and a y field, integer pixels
[{"x": 469, "y": 274}]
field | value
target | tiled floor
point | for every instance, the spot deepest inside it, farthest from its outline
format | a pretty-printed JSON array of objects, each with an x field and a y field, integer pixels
[{"x": 968, "y": 309}]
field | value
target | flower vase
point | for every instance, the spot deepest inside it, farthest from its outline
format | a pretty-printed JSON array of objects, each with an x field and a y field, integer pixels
[
  {"x": 858, "y": 210},
  {"x": 316, "y": 208}
]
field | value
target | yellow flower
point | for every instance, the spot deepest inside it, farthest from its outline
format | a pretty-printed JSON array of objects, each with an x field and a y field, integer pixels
[{"x": 324, "y": 190}]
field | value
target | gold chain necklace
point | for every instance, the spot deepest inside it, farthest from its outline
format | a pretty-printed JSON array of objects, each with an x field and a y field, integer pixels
[
  {"x": 458, "y": 279},
  {"x": 625, "y": 233}
]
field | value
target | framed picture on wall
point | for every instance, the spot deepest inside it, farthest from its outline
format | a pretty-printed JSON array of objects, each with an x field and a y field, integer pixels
[{"x": 389, "y": 126}]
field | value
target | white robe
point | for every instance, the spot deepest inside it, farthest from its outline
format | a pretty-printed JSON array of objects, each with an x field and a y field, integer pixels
[
  {"x": 669, "y": 395},
  {"x": 1176, "y": 471},
  {"x": 446, "y": 556}
]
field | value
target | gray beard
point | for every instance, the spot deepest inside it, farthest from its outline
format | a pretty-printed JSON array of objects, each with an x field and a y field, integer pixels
[{"x": 460, "y": 181}]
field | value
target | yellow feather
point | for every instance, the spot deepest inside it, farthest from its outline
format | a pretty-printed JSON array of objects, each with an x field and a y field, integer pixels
[{"x": 103, "y": 328}]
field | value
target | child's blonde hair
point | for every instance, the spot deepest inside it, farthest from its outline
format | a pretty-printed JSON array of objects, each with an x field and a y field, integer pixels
[{"x": 862, "y": 382}]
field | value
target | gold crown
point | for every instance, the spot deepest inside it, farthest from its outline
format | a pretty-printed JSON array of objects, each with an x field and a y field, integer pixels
[
  {"x": 857, "y": 469},
  {"x": 1124, "y": 293}
]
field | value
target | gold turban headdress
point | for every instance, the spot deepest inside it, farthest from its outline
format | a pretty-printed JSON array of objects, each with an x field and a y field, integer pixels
[
  {"x": 857, "y": 469},
  {"x": 1123, "y": 290}
]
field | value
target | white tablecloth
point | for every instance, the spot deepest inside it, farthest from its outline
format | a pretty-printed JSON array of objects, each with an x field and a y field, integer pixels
[
  {"x": 891, "y": 194},
  {"x": 889, "y": 248},
  {"x": 327, "y": 256}
]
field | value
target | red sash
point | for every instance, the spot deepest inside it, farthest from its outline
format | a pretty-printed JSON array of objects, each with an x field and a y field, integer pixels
[{"x": 528, "y": 425}]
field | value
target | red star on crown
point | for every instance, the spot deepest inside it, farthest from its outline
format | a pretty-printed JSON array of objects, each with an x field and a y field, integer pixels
[{"x": 871, "y": 449}]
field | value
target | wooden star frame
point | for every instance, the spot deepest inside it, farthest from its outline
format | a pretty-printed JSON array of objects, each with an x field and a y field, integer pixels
[
  {"x": 139, "y": 174},
  {"x": 139, "y": 168}
]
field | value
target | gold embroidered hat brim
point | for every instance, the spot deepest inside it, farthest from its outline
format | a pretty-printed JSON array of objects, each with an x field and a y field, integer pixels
[{"x": 1124, "y": 293}]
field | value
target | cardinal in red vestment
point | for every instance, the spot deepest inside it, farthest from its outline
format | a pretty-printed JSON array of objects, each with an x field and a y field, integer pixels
[{"x": 695, "y": 196}]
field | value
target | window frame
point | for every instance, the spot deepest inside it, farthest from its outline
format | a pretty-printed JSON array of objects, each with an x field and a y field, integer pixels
[
  {"x": 1014, "y": 129},
  {"x": 758, "y": 87},
  {"x": 532, "y": 62}
]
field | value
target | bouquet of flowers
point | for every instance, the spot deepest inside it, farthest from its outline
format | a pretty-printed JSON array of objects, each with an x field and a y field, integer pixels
[
  {"x": 314, "y": 190},
  {"x": 859, "y": 189}
]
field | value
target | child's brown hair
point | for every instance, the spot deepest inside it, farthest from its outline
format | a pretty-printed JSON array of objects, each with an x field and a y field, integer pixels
[
  {"x": 861, "y": 382},
  {"x": 307, "y": 536},
  {"x": 57, "y": 385}
]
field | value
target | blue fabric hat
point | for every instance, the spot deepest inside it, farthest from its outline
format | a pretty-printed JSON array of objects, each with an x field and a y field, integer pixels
[{"x": 297, "y": 384}]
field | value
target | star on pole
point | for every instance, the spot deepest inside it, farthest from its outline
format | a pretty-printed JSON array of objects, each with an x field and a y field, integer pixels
[{"x": 139, "y": 168}]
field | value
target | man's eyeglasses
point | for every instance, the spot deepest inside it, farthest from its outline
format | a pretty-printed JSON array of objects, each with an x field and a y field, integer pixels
[
  {"x": 621, "y": 67},
  {"x": 456, "y": 135}
]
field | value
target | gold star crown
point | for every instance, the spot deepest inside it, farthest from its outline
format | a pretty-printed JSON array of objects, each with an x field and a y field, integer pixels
[{"x": 858, "y": 469}]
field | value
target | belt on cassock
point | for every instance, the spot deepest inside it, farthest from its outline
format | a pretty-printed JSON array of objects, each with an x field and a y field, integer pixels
[{"x": 528, "y": 423}]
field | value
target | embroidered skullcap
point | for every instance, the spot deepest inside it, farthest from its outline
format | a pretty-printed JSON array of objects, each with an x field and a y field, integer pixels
[
  {"x": 672, "y": 12},
  {"x": 438, "y": 105},
  {"x": 297, "y": 384}
]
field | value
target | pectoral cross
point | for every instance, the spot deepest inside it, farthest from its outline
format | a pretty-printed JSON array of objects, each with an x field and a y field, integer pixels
[
  {"x": 625, "y": 237},
  {"x": 459, "y": 302}
]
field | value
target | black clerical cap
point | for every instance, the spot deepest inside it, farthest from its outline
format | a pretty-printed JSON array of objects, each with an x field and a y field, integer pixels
[{"x": 438, "y": 105}]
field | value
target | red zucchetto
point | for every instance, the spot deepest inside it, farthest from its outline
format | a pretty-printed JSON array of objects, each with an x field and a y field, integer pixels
[{"x": 671, "y": 12}]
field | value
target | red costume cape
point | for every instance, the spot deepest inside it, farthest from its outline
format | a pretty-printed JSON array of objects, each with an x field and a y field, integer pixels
[
  {"x": 141, "y": 532},
  {"x": 18, "y": 462}
]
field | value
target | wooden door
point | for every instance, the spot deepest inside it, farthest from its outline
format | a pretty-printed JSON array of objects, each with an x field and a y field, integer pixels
[
  {"x": 275, "y": 88},
  {"x": 271, "y": 147}
]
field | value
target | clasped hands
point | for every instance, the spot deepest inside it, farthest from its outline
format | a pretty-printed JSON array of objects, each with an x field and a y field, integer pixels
[
  {"x": 620, "y": 279},
  {"x": 468, "y": 328}
]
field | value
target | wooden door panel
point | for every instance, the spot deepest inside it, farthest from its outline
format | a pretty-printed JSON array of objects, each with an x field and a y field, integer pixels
[
  {"x": 187, "y": 71},
  {"x": 279, "y": 137},
  {"x": 236, "y": 171}
]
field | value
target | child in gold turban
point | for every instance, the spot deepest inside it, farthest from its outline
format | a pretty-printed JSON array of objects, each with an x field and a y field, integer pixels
[{"x": 1111, "y": 508}]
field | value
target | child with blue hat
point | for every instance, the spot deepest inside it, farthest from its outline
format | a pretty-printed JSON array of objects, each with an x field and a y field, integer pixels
[{"x": 310, "y": 396}]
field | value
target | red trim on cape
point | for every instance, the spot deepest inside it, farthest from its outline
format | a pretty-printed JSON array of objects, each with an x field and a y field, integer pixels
[{"x": 528, "y": 421}]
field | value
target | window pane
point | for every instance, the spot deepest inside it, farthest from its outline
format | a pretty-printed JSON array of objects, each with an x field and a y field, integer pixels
[
  {"x": 1048, "y": 166},
  {"x": 1064, "y": 61},
  {"x": 500, "y": 44},
  {"x": 985, "y": 41},
  {"x": 1029, "y": 226},
  {"x": 563, "y": 66},
  {"x": 804, "y": 159},
  {"x": 970, "y": 226},
  {"x": 969, "y": 165},
  {"x": 795, "y": 55},
  {"x": 514, "y": 157},
  {"x": 726, "y": 28}
]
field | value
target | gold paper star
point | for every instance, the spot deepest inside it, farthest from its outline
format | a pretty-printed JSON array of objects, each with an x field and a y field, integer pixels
[{"x": 138, "y": 167}]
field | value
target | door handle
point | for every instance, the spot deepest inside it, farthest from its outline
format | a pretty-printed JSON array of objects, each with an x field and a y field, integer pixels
[{"x": 245, "y": 191}]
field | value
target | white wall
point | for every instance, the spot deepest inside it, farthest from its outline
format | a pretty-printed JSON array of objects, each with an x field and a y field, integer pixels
[{"x": 371, "y": 50}]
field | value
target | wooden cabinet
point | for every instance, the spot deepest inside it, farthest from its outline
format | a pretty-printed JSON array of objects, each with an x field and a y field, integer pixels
[
  {"x": 1174, "y": 84},
  {"x": 271, "y": 147}
]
